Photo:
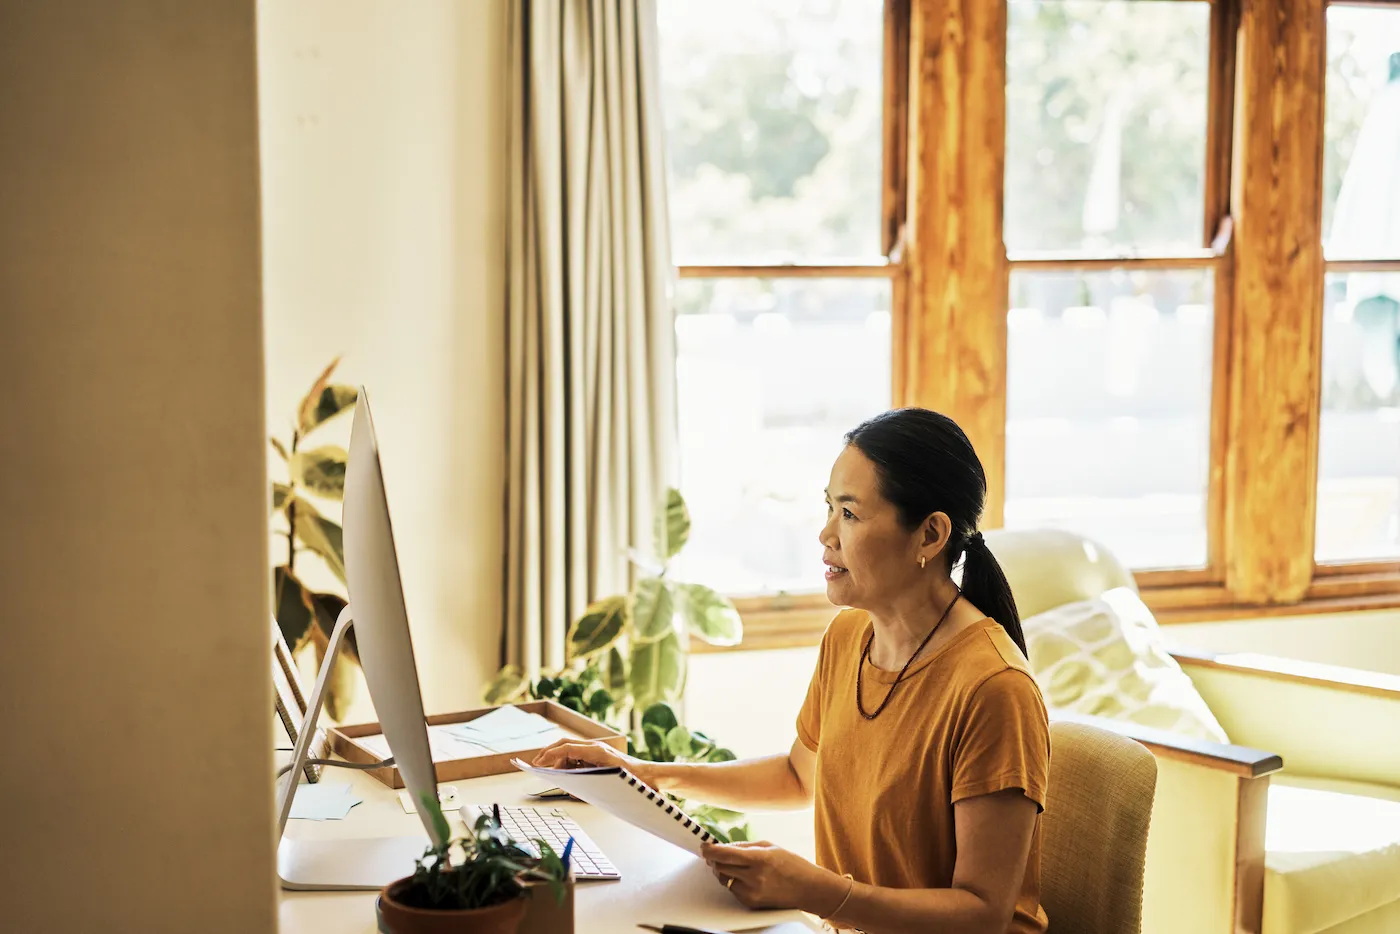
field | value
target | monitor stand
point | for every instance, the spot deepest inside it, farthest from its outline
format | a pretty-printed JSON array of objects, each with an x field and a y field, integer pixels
[{"x": 335, "y": 864}]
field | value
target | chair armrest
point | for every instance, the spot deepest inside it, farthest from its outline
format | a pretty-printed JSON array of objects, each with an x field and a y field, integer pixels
[
  {"x": 1238, "y": 760},
  {"x": 1205, "y": 849},
  {"x": 1324, "y": 720}
]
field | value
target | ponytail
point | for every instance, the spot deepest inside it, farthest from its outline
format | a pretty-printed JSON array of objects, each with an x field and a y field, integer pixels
[{"x": 985, "y": 587}]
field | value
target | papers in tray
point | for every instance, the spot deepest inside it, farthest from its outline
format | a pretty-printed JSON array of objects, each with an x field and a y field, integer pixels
[
  {"x": 504, "y": 730},
  {"x": 507, "y": 729}
]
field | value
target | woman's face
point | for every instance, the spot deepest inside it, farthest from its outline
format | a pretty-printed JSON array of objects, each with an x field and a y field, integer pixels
[{"x": 870, "y": 556}]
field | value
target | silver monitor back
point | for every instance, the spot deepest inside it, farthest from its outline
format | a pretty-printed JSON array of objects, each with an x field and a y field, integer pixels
[{"x": 381, "y": 618}]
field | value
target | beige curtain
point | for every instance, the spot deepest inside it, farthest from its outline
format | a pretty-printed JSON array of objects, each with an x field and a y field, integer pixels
[{"x": 591, "y": 385}]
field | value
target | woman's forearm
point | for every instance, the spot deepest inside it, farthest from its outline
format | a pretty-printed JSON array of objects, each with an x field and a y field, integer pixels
[
  {"x": 882, "y": 910},
  {"x": 768, "y": 783}
]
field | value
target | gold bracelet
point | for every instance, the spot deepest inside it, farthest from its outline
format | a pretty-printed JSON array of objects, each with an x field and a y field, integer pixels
[{"x": 849, "y": 889}]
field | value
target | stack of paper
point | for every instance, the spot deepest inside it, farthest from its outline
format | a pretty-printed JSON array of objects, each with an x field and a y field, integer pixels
[
  {"x": 323, "y": 801},
  {"x": 507, "y": 729}
]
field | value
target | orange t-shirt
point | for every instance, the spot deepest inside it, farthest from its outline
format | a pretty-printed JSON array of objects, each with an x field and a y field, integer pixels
[{"x": 967, "y": 720}]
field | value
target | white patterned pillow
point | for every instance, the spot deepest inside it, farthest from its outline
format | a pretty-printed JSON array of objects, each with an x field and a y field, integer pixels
[{"x": 1106, "y": 657}]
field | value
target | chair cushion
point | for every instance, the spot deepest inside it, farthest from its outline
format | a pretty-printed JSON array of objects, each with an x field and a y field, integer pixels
[
  {"x": 1332, "y": 853},
  {"x": 1106, "y": 657}
]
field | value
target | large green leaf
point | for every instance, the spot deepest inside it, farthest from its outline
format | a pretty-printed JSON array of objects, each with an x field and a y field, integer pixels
[
  {"x": 598, "y": 628},
  {"x": 709, "y": 615},
  {"x": 321, "y": 535},
  {"x": 653, "y": 609},
  {"x": 321, "y": 470},
  {"x": 660, "y": 715},
  {"x": 672, "y": 525},
  {"x": 711, "y": 812},
  {"x": 306, "y": 410},
  {"x": 280, "y": 494},
  {"x": 428, "y": 801},
  {"x": 510, "y": 682},
  {"x": 678, "y": 742},
  {"x": 614, "y": 672},
  {"x": 333, "y": 400},
  {"x": 599, "y": 703},
  {"x": 326, "y": 608},
  {"x": 655, "y": 743},
  {"x": 292, "y": 604},
  {"x": 658, "y": 670}
]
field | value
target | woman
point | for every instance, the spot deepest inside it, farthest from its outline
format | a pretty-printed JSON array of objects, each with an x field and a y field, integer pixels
[{"x": 923, "y": 741}]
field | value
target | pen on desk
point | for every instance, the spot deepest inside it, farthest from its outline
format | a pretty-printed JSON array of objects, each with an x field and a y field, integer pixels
[
  {"x": 678, "y": 929},
  {"x": 568, "y": 851}
]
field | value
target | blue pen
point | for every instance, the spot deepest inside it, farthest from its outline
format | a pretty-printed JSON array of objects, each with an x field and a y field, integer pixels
[{"x": 568, "y": 849}]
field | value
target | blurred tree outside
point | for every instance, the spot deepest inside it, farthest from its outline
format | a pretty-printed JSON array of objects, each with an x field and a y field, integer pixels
[
  {"x": 772, "y": 112},
  {"x": 773, "y": 129}
]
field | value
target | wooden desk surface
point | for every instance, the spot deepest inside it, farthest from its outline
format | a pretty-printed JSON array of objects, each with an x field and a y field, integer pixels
[{"x": 660, "y": 883}]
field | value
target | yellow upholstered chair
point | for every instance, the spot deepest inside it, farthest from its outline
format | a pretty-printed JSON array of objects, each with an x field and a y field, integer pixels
[
  {"x": 1094, "y": 832},
  {"x": 1238, "y": 843}
]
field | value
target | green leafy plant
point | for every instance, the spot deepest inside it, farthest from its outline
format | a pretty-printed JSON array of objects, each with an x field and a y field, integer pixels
[
  {"x": 658, "y": 736},
  {"x": 665, "y": 739},
  {"x": 306, "y": 616},
  {"x": 638, "y": 642},
  {"x": 482, "y": 869},
  {"x": 628, "y": 656}
]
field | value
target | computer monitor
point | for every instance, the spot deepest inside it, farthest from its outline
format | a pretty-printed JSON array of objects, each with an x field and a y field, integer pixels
[{"x": 380, "y": 620}]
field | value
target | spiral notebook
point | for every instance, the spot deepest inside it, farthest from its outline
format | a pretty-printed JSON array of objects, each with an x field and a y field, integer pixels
[{"x": 624, "y": 795}]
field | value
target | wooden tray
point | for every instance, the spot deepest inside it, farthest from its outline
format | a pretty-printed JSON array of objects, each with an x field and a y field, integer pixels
[{"x": 344, "y": 739}]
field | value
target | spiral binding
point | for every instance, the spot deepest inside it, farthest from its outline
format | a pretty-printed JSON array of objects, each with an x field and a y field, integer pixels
[{"x": 676, "y": 813}]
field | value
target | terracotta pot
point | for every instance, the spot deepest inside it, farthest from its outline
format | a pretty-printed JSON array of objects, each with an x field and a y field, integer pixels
[{"x": 398, "y": 918}]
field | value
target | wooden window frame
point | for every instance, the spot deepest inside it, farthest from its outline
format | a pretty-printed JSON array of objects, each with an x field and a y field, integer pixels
[{"x": 942, "y": 203}]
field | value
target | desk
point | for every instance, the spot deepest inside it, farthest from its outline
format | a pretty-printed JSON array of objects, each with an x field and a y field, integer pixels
[{"x": 660, "y": 883}]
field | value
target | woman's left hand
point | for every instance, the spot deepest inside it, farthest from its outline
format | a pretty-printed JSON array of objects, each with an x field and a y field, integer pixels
[{"x": 761, "y": 875}]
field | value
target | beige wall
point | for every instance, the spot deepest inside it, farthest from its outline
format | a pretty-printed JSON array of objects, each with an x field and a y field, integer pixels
[
  {"x": 383, "y": 204},
  {"x": 134, "y": 672}
]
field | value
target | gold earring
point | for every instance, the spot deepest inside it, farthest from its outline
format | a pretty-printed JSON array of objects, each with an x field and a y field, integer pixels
[{"x": 922, "y": 559}]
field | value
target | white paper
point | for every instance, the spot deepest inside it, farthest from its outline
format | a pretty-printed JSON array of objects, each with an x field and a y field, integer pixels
[
  {"x": 446, "y": 745},
  {"x": 323, "y": 801},
  {"x": 507, "y": 729},
  {"x": 611, "y": 790},
  {"x": 521, "y": 743},
  {"x": 376, "y": 744}
]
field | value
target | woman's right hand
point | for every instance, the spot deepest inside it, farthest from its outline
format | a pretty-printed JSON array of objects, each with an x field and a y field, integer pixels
[{"x": 592, "y": 753}]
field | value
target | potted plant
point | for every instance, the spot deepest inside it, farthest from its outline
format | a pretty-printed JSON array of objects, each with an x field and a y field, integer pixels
[
  {"x": 473, "y": 885},
  {"x": 628, "y": 656},
  {"x": 307, "y": 615}
]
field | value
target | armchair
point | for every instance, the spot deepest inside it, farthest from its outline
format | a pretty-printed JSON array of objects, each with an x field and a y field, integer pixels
[{"x": 1238, "y": 843}]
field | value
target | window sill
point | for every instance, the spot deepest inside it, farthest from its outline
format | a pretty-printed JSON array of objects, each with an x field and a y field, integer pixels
[{"x": 788, "y": 621}]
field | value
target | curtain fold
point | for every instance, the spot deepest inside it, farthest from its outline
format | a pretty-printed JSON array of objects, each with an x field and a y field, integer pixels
[{"x": 590, "y": 422}]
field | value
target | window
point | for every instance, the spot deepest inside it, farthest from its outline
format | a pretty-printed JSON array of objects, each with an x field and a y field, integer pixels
[
  {"x": 774, "y": 112},
  {"x": 1108, "y": 402},
  {"x": 1103, "y": 243},
  {"x": 1358, "y": 496}
]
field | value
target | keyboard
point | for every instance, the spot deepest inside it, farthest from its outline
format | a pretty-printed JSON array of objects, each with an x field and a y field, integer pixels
[{"x": 553, "y": 826}]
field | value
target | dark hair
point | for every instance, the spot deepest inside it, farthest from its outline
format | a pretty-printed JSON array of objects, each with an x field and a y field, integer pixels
[{"x": 926, "y": 464}]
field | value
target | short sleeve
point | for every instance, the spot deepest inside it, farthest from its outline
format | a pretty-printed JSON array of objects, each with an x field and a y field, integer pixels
[
  {"x": 1005, "y": 740},
  {"x": 809, "y": 718}
]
